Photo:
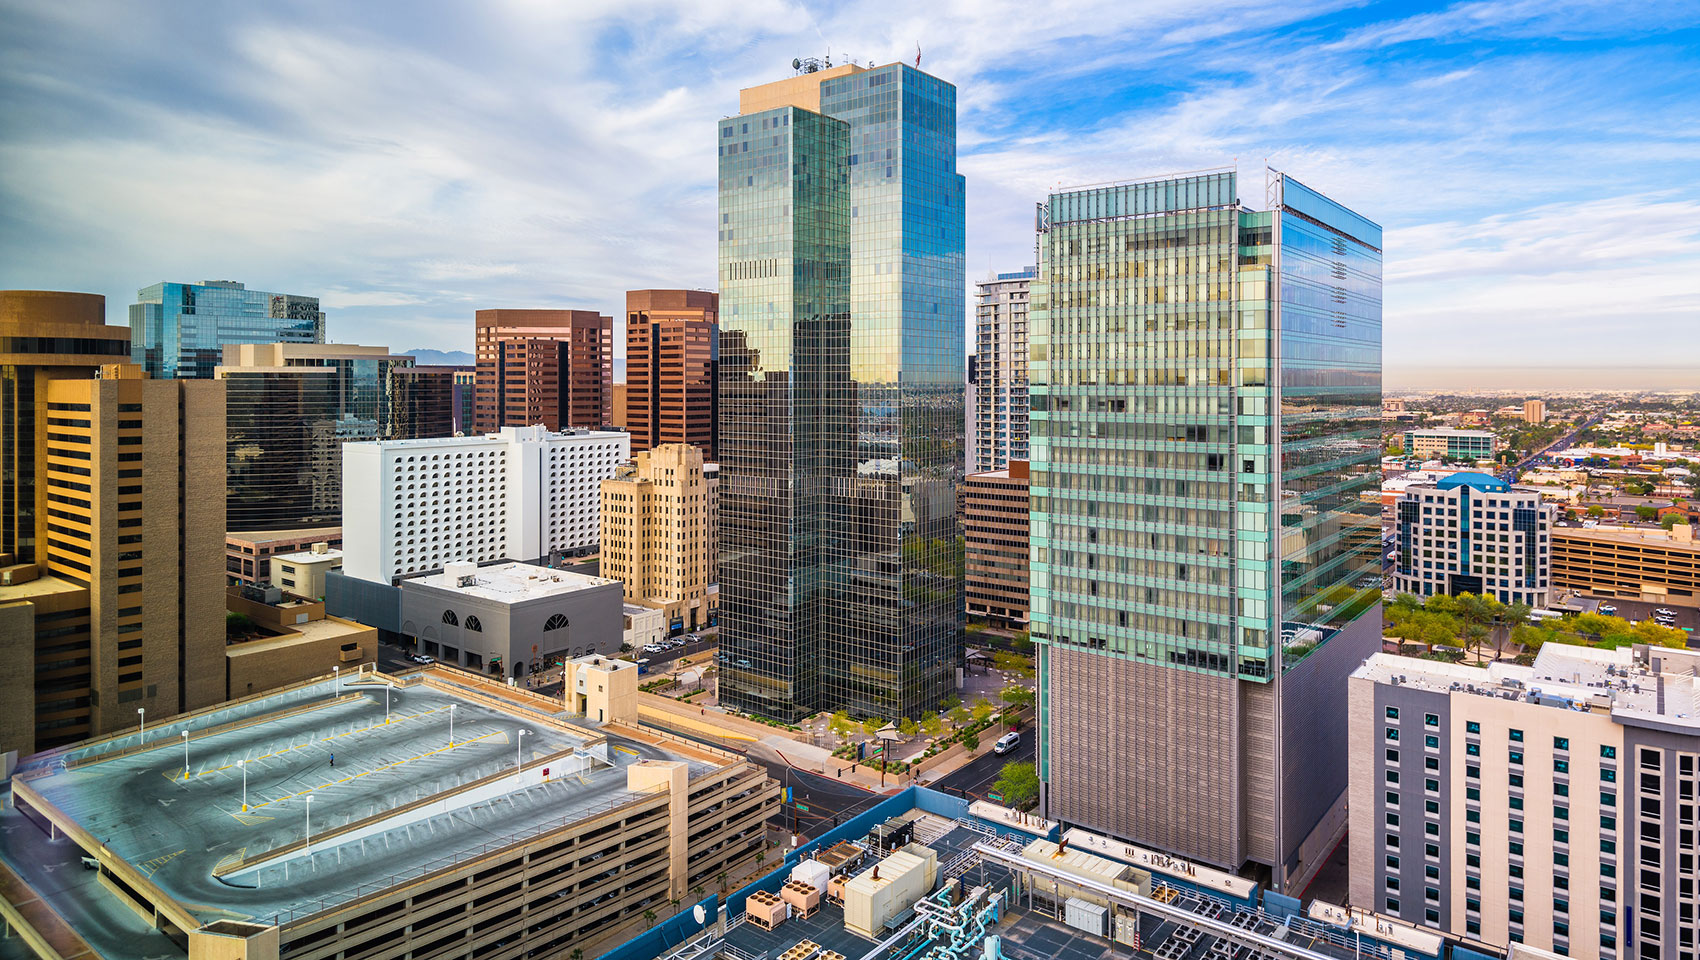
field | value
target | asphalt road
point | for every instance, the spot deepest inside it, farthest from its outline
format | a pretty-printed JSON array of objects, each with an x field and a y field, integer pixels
[
  {"x": 829, "y": 802},
  {"x": 975, "y": 780}
]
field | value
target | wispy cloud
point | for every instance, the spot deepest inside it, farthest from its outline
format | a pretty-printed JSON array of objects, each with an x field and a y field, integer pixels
[{"x": 410, "y": 162}]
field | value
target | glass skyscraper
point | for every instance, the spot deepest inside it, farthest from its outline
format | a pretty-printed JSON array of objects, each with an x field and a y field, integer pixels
[
  {"x": 1206, "y": 387},
  {"x": 841, "y": 392},
  {"x": 179, "y": 330}
]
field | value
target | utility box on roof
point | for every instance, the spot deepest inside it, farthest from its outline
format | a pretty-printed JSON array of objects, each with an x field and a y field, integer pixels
[
  {"x": 904, "y": 877},
  {"x": 1081, "y": 915}
]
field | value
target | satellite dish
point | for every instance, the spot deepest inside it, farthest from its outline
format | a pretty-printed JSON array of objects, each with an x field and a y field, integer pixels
[
  {"x": 698, "y": 913},
  {"x": 795, "y": 64}
]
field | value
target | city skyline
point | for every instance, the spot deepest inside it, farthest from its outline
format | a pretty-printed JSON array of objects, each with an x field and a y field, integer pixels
[{"x": 410, "y": 170}]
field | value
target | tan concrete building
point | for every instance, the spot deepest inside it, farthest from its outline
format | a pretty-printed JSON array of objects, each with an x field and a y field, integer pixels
[
  {"x": 291, "y": 641},
  {"x": 554, "y": 367},
  {"x": 659, "y": 533},
  {"x": 125, "y": 605},
  {"x": 1551, "y": 805},
  {"x": 994, "y": 530},
  {"x": 303, "y": 573},
  {"x": 1631, "y": 563},
  {"x": 671, "y": 365},
  {"x": 1534, "y": 411}
]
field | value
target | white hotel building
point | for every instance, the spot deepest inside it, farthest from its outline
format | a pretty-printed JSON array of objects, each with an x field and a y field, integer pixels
[{"x": 413, "y": 506}]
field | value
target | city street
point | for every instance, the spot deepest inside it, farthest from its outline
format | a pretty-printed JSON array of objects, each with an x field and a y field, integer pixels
[{"x": 975, "y": 780}]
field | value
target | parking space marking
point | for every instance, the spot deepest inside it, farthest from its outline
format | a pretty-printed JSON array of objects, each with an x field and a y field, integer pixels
[
  {"x": 149, "y": 867},
  {"x": 387, "y": 766},
  {"x": 302, "y": 746}
]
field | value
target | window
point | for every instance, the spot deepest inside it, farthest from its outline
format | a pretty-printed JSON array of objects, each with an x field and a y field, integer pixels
[
  {"x": 1392, "y": 733},
  {"x": 1392, "y": 713},
  {"x": 1561, "y": 766},
  {"x": 450, "y": 618},
  {"x": 1473, "y": 750},
  {"x": 556, "y": 622},
  {"x": 1392, "y": 862},
  {"x": 1608, "y": 752},
  {"x": 1516, "y": 736},
  {"x": 1472, "y": 726},
  {"x": 1516, "y": 757},
  {"x": 1608, "y": 775},
  {"x": 1431, "y": 741},
  {"x": 1392, "y": 798},
  {"x": 473, "y": 624},
  {"x": 1392, "y": 756},
  {"x": 1431, "y": 720},
  {"x": 1561, "y": 743}
]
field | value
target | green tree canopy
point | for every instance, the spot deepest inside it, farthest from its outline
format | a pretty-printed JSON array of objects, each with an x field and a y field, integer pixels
[{"x": 1018, "y": 784}]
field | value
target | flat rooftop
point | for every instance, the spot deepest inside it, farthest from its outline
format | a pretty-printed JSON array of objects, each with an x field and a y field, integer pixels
[
  {"x": 513, "y": 582},
  {"x": 308, "y": 556},
  {"x": 336, "y": 749},
  {"x": 1448, "y": 432}
]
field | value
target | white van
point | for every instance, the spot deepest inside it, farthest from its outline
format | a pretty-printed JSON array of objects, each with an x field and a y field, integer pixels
[{"x": 1007, "y": 742}]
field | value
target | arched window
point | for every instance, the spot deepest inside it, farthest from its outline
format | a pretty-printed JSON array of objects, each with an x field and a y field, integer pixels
[
  {"x": 556, "y": 622},
  {"x": 473, "y": 624},
  {"x": 450, "y": 618}
]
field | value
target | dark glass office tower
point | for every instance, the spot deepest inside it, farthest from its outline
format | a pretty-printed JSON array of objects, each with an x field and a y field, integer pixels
[
  {"x": 1206, "y": 390},
  {"x": 841, "y": 431}
]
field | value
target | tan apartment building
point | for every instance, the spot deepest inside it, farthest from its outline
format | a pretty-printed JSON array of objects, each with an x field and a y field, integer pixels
[
  {"x": 554, "y": 367},
  {"x": 659, "y": 533},
  {"x": 994, "y": 530},
  {"x": 1534, "y": 411},
  {"x": 45, "y": 335},
  {"x": 1630, "y": 563},
  {"x": 671, "y": 365},
  {"x": 123, "y": 609},
  {"x": 1550, "y": 805}
]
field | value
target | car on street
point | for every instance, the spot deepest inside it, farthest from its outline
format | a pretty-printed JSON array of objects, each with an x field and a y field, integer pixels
[
  {"x": 1664, "y": 612},
  {"x": 1006, "y": 743},
  {"x": 421, "y": 658}
]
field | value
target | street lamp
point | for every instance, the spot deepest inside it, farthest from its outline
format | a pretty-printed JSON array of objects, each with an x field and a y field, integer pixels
[
  {"x": 143, "y": 713},
  {"x": 309, "y": 838},
  {"x": 336, "y": 678},
  {"x": 386, "y": 703},
  {"x": 519, "y": 745},
  {"x": 185, "y": 754},
  {"x": 451, "y": 724},
  {"x": 243, "y": 764}
]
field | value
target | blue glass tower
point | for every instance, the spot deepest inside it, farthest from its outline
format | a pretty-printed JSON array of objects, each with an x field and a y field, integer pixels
[
  {"x": 179, "y": 330},
  {"x": 841, "y": 255},
  {"x": 1206, "y": 390}
]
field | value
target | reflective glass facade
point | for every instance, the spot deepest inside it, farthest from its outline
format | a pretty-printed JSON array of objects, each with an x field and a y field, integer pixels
[
  {"x": 857, "y": 209},
  {"x": 1205, "y": 399},
  {"x": 181, "y": 329}
]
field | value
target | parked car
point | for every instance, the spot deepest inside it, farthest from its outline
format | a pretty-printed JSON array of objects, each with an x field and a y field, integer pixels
[
  {"x": 1006, "y": 743},
  {"x": 1608, "y": 609},
  {"x": 421, "y": 658},
  {"x": 1664, "y": 612}
]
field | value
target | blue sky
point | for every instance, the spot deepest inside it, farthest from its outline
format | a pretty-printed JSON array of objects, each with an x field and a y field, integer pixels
[{"x": 1536, "y": 165}]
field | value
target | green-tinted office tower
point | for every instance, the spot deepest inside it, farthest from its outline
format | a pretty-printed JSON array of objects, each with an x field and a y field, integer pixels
[
  {"x": 1206, "y": 389},
  {"x": 841, "y": 396},
  {"x": 180, "y": 330}
]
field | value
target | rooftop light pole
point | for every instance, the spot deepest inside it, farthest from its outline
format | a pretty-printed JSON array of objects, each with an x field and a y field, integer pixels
[
  {"x": 309, "y": 838},
  {"x": 336, "y": 678},
  {"x": 451, "y": 724},
  {"x": 386, "y": 703},
  {"x": 143, "y": 713},
  {"x": 243, "y": 764},
  {"x": 185, "y": 754},
  {"x": 519, "y": 745}
]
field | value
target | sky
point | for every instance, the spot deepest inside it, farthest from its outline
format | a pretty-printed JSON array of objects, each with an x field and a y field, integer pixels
[{"x": 1536, "y": 165}]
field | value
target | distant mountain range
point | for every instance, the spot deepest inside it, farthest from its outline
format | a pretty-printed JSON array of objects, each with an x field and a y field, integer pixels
[{"x": 440, "y": 358}]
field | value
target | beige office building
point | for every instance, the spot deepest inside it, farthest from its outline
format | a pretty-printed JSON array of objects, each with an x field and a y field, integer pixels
[
  {"x": 1534, "y": 411},
  {"x": 659, "y": 534},
  {"x": 123, "y": 609},
  {"x": 1551, "y": 805},
  {"x": 1629, "y": 563},
  {"x": 995, "y": 549}
]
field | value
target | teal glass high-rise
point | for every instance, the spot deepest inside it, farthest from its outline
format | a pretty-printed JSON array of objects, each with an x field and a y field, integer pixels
[
  {"x": 841, "y": 391},
  {"x": 180, "y": 330},
  {"x": 1206, "y": 388}
]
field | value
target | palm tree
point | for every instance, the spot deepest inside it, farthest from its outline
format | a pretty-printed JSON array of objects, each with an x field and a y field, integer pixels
[
  {"x": 721, "y": 879},
  {"x": 649, "y": 917}
]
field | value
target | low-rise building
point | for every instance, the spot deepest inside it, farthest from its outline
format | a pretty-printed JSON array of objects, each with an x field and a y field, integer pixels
[
  {"x": 1472, "y": 533},
  {"x": 643, "y": 625},
  {"x": 1550, "y": 805},
  {"x": 510, "y": 619},
  {"x": 303, "y": 573},
  {"x": 995, "y": 548},
  {"x": 1456, "y": 444},
  {"x": 248, "y": 556},
  {"x": 1630, "y": 563},
  {"x": 288, "y": 639}
]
